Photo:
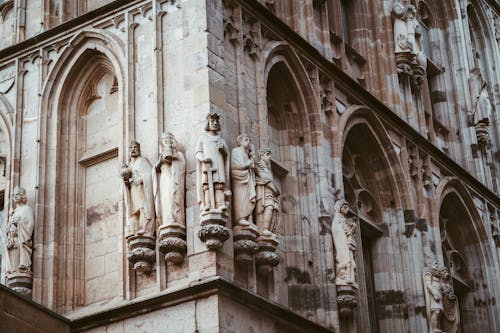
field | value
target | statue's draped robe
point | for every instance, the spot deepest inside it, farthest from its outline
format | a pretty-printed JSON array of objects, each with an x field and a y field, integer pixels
[
  {"x": 21, "y": 255},
  {"x": 139, "y": 196},
  {"x": 243, "y": 185},
  {"x": 169, "y": 191},
  {"x": 344, "y": 262}
]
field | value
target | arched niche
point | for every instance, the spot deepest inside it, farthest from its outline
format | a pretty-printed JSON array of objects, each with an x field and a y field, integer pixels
[
  {"x": 7, "y": 21},
  {"x": 90, "y": 133},
  {"x": 465, "y": 251},
  {"x": 79, "y": 207},
  {"x": 5, "y": 175},
  {"x": 287, "y": 131},
  {"x": 375, "y": 186}
]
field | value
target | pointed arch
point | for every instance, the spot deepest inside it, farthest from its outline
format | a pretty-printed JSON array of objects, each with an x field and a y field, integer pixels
[
  {"x": 467, "y": 252},
  {"x": 62, "y": 164},
  {"x": 359, "y": 115}
]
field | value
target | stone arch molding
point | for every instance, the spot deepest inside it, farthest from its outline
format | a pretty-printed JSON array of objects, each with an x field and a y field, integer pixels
[
  {"x": 54, "y": 92},
  {"x": 449, "y": 185},
  {"x": 360, "y": 114},
  {"x": 278, "y": 51},
  {"x": 90, "y": 39}
]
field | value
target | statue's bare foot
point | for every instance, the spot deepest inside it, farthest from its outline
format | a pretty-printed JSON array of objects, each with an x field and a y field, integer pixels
[
  {"x": 266, "y": 232},
  {"x": 206, "y": 208},
  {"x": 243, "y": 223}
]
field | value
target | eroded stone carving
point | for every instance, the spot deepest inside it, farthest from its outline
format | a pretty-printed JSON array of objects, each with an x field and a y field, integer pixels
[
  {"x": 212, "y": 170},
  {"x": 19, "y": 236},
  {"x": 344, "y": 239},
  {"x": 169, "y": 193},
  {"x": 243, "y": 190},
  {"x": 482, "y": 108},
  {"x": 441, "y": 302},
  {"x": 410, "y": 59},
  {"x": 267, "y": 213},
  {"x": 139, "y": 201}
]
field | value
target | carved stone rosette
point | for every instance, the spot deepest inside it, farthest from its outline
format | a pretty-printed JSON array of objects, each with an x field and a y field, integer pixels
[
  {"x": 141, "y": 252},
  {"x": 347, "y": 299},
  {"x": 20, "y": 282},
  {"x": 267, "y": 258},
  {"x": 244, "y": 243},
  {"x": 213, "y": 230},
  {"x": 172, "y": 243}
]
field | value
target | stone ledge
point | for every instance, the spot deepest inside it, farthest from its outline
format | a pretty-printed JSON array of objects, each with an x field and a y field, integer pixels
[
  {"x": 20, "y": 314},
  {"x": 202, "y": 289}
]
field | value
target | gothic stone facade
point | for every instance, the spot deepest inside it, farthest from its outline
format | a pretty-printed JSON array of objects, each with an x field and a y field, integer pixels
[{"x": 390, "y": 105}]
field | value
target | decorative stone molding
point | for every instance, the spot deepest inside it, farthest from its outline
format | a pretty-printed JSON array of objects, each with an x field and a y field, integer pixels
[
  {"x": 244, "y": 243},
  {"x": 346, "y": 300},
  {"x": 212, "y": 173},
  {"x": 213, "y": 230},
  {"x": 172, "y": 242},
  {"x": 267, "y": 258},
  {"x": 141, "y": 252}
]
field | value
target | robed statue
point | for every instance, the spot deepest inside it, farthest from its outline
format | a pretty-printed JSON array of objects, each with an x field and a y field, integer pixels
[
  {"x": 344, "y": 240},
  {"x": 243, "y": 181},
  {"x": 138, "y": 193},
  {"x": 19, "y": 234}
]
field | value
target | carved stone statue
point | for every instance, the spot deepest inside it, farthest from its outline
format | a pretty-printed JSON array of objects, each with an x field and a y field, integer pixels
[
  {"x": 243, "y": 181},
  {"x": 212, "y": 168},
  {"x": 169, "y": 190},
  {"x": 268, "y": 192},
  {"x": 243, "y": 189},
  {"x": 344, "y": 240},
  {"x": 410, "y": 59},
  {"x": 139, "y": 192},
  {"x": 267, "y": 213},
  {"x": 450, "y": 318},
  {"x": 482, "y": 108},
  {"x": 19, "y": 234},
  {"x": 19, "y": 243},
  {"x": 433, "y": 297},
  {"x": 212, "y": 172},
  {"x": 169, "y": 193},
  {"x": 442, "y": 304},
  {"x": 139, "y": 201}
]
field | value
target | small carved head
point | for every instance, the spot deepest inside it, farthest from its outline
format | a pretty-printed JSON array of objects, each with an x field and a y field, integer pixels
[
  {"x": 20, "y": 195},
  {"x": 213, "y": 122},
  {"x": 134, "y": 148},
  {"x": 169, "y": 142},
  {"x": 445, "y": 273},
  {"x": 265, "y": 156},
  {"x": 341, "y": 206},
  {"x": 243, "y": 140}
]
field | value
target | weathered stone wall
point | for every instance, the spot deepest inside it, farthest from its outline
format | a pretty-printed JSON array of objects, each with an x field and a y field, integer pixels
[{"x": 340, "y": 120}]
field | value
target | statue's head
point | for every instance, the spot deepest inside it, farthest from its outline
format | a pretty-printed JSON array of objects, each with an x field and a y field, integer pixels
[
  {"x": 243, "y": 140},
  {"x": 213, "y": 122},
  {"x": 265, "y": 155},
  {"x": 134, "y": 148},
  {"x": 19, "y": 195},
  {"x": 445, "y": 273},
  {"x": 169, "y": 143},
  {"x": 341, "y": 206}
]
